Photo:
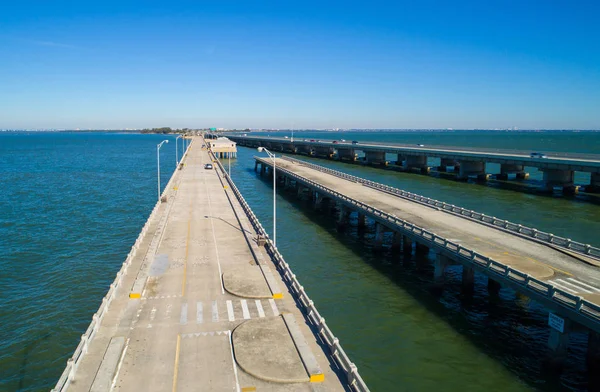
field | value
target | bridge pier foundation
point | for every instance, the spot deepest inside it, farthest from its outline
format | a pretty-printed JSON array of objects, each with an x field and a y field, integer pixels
[
  {"x": 506, "y": 169},
  {"x": 346, "y": 154},
  {"x": 343, "y": 217},
  {"x": 594, "y": 186},
  {"x": 564, "y": 179},
  {"x": 375, "y": 158},
  {"x": 470, "y": 168},
  {"x": 468, "y": 279},
  {"x": 593, "y": 351},
  {"x": 361, "y": 221},
  {"x": 439, "y": 269},
  {"x": 263, "y": 169},
  {"x": 417, "y": 162},
  {"x": 444, "y": 163},
  {"x": 493, "y": 286},
  {"x": 406, "y": 245},
  {"x": 558, "y": 343},
  {"x": 400, "y": 160},
  {"x": 397, "y": 241}
]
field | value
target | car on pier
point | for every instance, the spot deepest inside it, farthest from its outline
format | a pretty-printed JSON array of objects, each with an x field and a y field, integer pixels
[
  {"x": 208, "y": 166},
  {"x": 335, "y": 142},
  {"x": 354, "y": 142},
  {"x": 538, "y": 155}
]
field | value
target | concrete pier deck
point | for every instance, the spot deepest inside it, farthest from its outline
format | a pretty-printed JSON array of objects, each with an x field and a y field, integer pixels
[
  {"x": 543, "y": 271},
  {"x": 202, "y": 306}
]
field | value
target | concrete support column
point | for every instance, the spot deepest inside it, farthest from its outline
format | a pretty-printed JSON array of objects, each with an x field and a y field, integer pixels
[
  {"x": 445, "y": 162},
  {"x": 506, "y": 169},
  {"x": 263, "y": 169},
  {"x": 346, "y": 154},
  {"x": 594, "y": 183},
  {"x": 375, "y": 157},
  {"x": 300, "y": 190},
  {"x": 558, "y": 343},
  {"x": 417, "y": 162},
  {"x": 342, "y": 221},
  {"x": 468, "y": 279},
  {"x": 493, "y": 286},
  {"x": 593, "y": 351},
  {"x": 470, "y": 168},
  {"x": 400, "y": 160},
  {"x": 439, "y": 269},
  {"x": 421, "y": 248},
  {"x": 406, "y": 245},
  {"x": 379, "y": 231},
  {"x": 318, "y": 200},
  {"x": 559, "y": 178},
  {"x": 361, "y": 220},
  {"x": 397, "y": 241},
  {"x": 255, "y": 165}
]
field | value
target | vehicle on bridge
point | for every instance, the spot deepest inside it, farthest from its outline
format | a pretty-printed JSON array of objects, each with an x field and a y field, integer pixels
[
  {"x": 208, "y": 166},
  {"x": 538, "y": 155}
]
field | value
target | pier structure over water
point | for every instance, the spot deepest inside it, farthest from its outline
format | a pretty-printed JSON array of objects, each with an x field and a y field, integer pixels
[
  {"x": 204, "y": 301},
  {"x": 558, "y": 169},
  {"x": 561, "y": 274}
]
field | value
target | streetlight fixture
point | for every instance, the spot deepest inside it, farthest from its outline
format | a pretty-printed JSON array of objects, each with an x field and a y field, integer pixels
[
  {"x": 176, "y": 153},
  {"x": 272, "y": 156},
  {"x": 158, "y": 146}
]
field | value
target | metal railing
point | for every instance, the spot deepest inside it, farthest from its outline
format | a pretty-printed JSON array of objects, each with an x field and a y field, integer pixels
[
  {"x": 354, "y": 379},
  {"x": 558, "y": 241},
  {"x": 82, "y": 348},
  {"x": 563, "y": 299}
]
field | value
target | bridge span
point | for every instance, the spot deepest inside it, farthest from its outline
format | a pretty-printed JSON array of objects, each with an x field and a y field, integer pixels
[
  {"x": 204, "y": 301},
  {"x": 558, "y": 169},
  {"x": 559, "y": 273}
]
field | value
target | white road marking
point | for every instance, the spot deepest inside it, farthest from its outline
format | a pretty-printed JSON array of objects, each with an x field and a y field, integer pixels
[
  {"x": 114, "y": 381},
  {"x": 169, "y": 306},
  {"x": 153, "y": 313},
  {"x": 237, "y": 383},
  {"x": 199, "y": 313},
  {"x": 214, "y": 237},
  {"x": 183, "y": 317},
  {"x": 573, "y": 285},
  {"x": 274, "y": 307},
  {"x": 245, "y": 311},
  {"x": 563, "y": 287},
  {"x": 215, "y": 312},
  {"x": 230, "y": 311},
  {"x": 584, "y": 284},
  {"x": 261, "y": 312}
]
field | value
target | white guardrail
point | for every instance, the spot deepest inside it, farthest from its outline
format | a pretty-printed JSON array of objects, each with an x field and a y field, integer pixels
[
  {"x": 567, "y": 301},
  {"x": 82, "y": 348},
  {"x": 354, "y": 379},
  {"x": 561, "y": 242}
]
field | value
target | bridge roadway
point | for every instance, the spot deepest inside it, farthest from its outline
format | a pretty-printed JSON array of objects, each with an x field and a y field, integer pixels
[
  {"x": 558, "y": 168},
  {"x": 577, "y": 276},
  {"x": 208, "y": 311}
]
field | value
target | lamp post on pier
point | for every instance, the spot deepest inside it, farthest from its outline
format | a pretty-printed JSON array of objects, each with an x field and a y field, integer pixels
[
  {"x": 272, "y": 156},
  {"x": 176, "y": 153},
  {"x": 158, "y": 146}
]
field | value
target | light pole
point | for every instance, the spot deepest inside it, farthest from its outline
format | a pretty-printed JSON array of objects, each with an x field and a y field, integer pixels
[
  {"x": 272, "y": 156},
  {"x": 176, "y": 153},
  {"x": 158, "y": 146}
]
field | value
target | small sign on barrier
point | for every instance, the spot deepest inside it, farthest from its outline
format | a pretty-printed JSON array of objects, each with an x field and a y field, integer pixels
[{"x": 555, "y": 322}]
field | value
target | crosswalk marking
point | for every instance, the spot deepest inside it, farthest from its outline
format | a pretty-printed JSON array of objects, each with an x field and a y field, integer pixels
[
  {"x": 574, "y": 286},
  {"x": 199, "y": 313},
  {"x": 215, "y": 312},
  {"x": 261, "y": 312},
  {"x": 230, "y": 311},
  {"x": 245, "y": 311},
  {"x": 274, "y": 307},
  {"x": 183, "y": 317}
]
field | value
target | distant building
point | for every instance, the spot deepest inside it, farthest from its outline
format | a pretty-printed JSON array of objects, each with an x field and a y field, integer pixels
[{"x": 223, "y": 147}]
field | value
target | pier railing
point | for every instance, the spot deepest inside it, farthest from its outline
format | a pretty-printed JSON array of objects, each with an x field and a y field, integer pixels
[
  {"x": 354, "y": 379},
  {"x": 82, "y": 348},
  {"x": 587, "y": 312},
  {"x": 516, "y": 228}
]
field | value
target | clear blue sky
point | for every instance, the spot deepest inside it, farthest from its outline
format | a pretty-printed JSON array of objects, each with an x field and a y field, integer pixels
[{"x": 301, "y": 64}]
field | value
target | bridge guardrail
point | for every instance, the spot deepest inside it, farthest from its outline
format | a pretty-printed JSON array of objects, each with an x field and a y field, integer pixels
[
  {"x": 72, "y": 363},
  {"x": 557, "y": 296},
  {"x": 562, "y": 242},
  {"x": 354, "y": 379}
]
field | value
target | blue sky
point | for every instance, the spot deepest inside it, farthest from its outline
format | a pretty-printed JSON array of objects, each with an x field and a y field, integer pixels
[{"x": 282, "y": 64}]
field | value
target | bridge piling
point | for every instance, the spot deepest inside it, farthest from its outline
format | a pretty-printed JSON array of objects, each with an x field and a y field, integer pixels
[
  {"x": 564, "y": 179},
  {"x": 444, "y": 163},
  {"x": 558, "y": 343},
  {"x": 493, "y": 286},
  {"x": 379, "y": 232},
  {"x": 468, "y": 280},
  {"x": 439, "y": 269},
  {"x": 417, "y": 162},
  {"x": 470, "y": 168},
  {"x": 593, "y": 351}
]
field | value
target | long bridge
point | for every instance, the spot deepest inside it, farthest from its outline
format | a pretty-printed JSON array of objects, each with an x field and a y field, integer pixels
[
  {"x": 558, "y": 168},
  {"x": 204, "y": 301},
  {"x": 559, "y": 273}
]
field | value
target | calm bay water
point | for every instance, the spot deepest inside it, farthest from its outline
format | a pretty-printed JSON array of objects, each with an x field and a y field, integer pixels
[{"x": 72, "y": 205}]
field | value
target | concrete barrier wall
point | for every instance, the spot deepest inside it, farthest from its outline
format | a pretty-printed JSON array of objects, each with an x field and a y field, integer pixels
[
  {"x": 73, "y": 362},
  {"x": 556, "y": 299},
  {"x": 354, "y": 379}
]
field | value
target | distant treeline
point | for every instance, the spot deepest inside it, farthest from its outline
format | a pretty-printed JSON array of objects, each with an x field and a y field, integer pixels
[{"x": 163, "y": 130}]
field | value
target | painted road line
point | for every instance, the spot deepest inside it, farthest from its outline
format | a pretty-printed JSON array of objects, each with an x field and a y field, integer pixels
[
  {"x": 199, "y": 313},
  {"x": 183, "y": 317},
  {"x": 584, "y": 284},
  {"x": 245, "y": 311},
  {"x": 579, "y": 288},
  {"x": 563, "y": 287},
  {"x": 215, "y": 312},
  {"x": 169, "y": 307},
  {"x": 176, "y": 365},
  {"x": 237, "y": 383},
  {"x": 230, "y": 311},
  {"x": 274, "y": 307},
  {"x": 261, "y": 312}
]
